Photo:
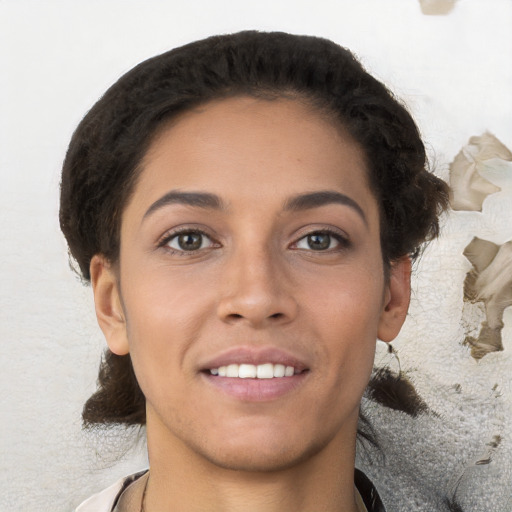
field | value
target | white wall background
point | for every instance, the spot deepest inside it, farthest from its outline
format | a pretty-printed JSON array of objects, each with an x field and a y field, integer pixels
[{"x": 56, "y": 58}]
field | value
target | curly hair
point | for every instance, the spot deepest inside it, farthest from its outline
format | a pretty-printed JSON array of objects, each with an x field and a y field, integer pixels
[{"x": 103, "y": 159}]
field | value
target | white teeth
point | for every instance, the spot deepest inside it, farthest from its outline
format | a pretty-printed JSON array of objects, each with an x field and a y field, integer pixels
[
  {"x": 265, "y": 371},
  {"x": 279, "y": 370},
  {"x": 232, "y": 370},
  {"x": 251, "y": 371},
  {"x": 247, "y": 371}
]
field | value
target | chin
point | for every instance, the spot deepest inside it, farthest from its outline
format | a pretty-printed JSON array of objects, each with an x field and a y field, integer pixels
[{"x": 262, "y": 456}]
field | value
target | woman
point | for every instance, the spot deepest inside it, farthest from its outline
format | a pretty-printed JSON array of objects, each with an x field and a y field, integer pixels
[{"x": 246, "y": 208}]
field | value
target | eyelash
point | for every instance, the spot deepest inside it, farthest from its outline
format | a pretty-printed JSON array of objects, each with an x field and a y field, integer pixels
[
  {"x": 167, "y": 238},
  {"x": 343, "y": 241}
]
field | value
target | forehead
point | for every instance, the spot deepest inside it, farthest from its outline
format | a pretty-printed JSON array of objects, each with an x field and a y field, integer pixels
[{"x": 252, "y": 150}]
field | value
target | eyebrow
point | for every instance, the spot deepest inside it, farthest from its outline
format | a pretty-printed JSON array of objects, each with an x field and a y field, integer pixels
[
  {"x": 297, "y": 203},
  {"x": 323, "y": 198},
  {"x": 197, "y": 199}
]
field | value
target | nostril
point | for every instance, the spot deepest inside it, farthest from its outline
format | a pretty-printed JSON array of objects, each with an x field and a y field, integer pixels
[{"x": 238, "y": 316}]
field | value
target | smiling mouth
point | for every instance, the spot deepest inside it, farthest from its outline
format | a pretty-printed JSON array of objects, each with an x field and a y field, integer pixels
[
  {"x": 252, "y": 371},
  {"x": 264, "y": 382}
]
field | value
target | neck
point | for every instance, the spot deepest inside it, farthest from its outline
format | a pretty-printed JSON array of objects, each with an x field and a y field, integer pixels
[{"x": 180, "y": 479}]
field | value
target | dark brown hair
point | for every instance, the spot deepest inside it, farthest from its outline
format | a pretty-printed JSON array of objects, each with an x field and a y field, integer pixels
[{"x": 103, "y": 160}]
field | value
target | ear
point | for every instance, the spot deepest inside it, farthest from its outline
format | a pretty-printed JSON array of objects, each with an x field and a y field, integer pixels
[
  {"x": 396, "y": 300},
  {"x": 107, "y": 300}
]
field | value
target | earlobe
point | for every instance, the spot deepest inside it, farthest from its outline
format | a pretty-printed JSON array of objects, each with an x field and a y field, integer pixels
[
  {"x": 396, "y": 300},
  {"x": 107, "y": 301}
]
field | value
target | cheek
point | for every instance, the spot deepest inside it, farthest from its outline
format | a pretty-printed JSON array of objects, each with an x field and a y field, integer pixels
[
  {"x": 163, "y": 318},
  {"x": 346, "y": 301},
  {"x": 164, "y": 301},
  {"x": 346, "y": 314}
]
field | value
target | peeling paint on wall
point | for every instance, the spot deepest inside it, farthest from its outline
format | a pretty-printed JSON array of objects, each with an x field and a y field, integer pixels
[
  {"x": 469, "y": 187},
  {"x": 490, "y": 282},
  {"x": 437, "y": 7}
]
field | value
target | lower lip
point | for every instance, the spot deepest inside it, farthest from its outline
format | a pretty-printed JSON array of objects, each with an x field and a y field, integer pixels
[{"x": 256, "y": 390}]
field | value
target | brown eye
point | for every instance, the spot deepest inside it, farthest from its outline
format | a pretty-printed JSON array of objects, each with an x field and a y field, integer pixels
[
  {"x": 319, "y": 241},
  {"x": 189, "y": 241}
]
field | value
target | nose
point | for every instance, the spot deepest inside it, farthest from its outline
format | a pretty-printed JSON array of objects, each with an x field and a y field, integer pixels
[{"x": 256, "y": 290}]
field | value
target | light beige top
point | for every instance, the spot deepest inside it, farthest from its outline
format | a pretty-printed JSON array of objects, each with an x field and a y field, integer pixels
[
  {"x": 361, "y": 507},
  {"x": 131, "y": 499}
]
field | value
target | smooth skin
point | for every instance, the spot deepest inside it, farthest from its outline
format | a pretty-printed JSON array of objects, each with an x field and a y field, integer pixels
[{"x": 251, "y": 265}]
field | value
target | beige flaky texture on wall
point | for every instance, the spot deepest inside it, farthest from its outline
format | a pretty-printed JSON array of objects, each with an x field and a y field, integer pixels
[
  {"x": 451, "y": 445},
  {"x": 444, "y": 415}
]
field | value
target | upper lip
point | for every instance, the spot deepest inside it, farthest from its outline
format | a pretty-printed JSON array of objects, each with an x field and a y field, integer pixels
[{"x": 255, "y": 356}]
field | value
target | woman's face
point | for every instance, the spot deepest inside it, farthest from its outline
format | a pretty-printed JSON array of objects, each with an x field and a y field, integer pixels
[{"x": 250, "y": 247}]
